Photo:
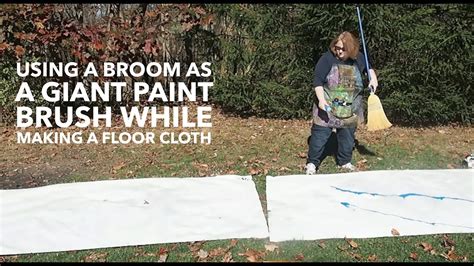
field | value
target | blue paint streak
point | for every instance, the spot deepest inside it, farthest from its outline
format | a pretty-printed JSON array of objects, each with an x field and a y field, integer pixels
[
  {"x": 434, "y": 197},
  {"x": 406, "y": 195},
  {"x": 348, "y": 205}
]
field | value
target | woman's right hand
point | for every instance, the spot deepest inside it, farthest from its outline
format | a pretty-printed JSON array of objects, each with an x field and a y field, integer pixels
[{"x": 323, "y": 105}]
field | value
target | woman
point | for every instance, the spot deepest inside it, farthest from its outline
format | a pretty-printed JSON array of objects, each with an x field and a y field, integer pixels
[{"x": 338, "y": 86}]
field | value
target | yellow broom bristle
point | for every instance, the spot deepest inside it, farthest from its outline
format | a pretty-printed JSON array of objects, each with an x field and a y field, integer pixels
[{"x": 376, "y": 119}]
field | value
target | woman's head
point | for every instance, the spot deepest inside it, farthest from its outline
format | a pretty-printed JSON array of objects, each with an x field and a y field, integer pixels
[{"x": 345, "y": 46}]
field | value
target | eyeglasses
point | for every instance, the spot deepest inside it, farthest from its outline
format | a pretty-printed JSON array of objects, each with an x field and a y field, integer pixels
[{"x": 339, "y": 48}]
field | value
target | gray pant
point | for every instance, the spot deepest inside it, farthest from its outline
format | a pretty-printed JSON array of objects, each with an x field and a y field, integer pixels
[{"x": 319, "y": 138}]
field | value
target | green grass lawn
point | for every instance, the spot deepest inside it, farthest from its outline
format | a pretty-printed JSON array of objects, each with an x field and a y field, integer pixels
[
  {"x": 428, "y": 248},
  {"x": 254, "y": 146}
]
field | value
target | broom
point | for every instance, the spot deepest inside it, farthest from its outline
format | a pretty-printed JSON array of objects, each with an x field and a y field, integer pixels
[{"x": 376, "y": 118}]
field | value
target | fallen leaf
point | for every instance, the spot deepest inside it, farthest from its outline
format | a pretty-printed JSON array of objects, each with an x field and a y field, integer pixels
[
  {"x": 270, "y": 247},
  {"x": 195, "y": 246},
  {"x": 4, "y": 46},
  {"x": 19, "y": 51},
  {"x": 217, "y": 252},
  {"x": 299, "y": 257},
  {"x": 352, "y": 243},
  {"x": 254, "y": 171},
  {"x": 202, "y": 254},
  {"x": 39, "y": 25},
  {"x": 321, "y": 244},
  {"x": 163, "y": 258},
  {"x": 302, "y": 154},
  {"x": 97, "y": 45},
  {"x": 372, "y": 257},
  {"x": 413, "y": 256},
  {"x": 252, "y": 255},
  {"x": 447, "y": 242},
  {"x": 444, "y": 256},
  {"x": 201, "y": 166},
  {"x": 233, "y": 243},
  {"x": 163, "y": 251},
  {"x": 452, "y": 255},
  {"x": 208, "y": 19},
  {"x": 395, "y": 232},
  {"x": 227, "y": 257},
  {"x": 139, "y": 252},
  {"x": 147, "y": 47},
  {"x": 362, "y": 164},
  {"x": 426, "y": 246},
  {"x": 119, "y": 166},
  {"x": 96, "y": 257},
  {"x": 357, "y": 256}
]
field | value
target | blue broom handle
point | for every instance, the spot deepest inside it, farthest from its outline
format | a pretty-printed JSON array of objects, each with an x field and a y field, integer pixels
[{"x": 363, "y": 43}]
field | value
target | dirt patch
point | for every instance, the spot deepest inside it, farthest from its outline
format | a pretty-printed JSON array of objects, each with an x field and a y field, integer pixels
[{"x": 33, "y": 175}]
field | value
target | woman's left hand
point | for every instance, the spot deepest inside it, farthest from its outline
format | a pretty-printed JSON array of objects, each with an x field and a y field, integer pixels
[
  {"x": 373, "y": 83},
  {"x": 373, "y": 80}
]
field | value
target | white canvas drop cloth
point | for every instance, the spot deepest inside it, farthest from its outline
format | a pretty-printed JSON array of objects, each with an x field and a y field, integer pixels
[
  {"x": 129, "y": 212},
  {"x": 370, "y": 203}
]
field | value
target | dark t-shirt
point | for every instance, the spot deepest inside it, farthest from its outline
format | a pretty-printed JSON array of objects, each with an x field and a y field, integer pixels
[{"x": 327, "y": 60}]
